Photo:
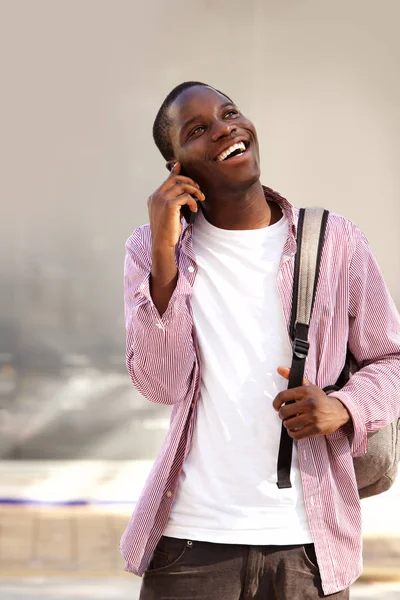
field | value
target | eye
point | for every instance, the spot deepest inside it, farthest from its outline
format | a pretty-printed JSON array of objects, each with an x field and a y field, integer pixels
[
  {"x": 197, "y": 131},
  {"x": 232, "y": 112}
]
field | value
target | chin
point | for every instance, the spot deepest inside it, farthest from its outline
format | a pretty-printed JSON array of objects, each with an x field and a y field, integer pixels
[{"x": 246, "y": 180}]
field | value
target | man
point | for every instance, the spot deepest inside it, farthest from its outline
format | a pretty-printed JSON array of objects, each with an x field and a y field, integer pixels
[{"x": 207, "y": 316}]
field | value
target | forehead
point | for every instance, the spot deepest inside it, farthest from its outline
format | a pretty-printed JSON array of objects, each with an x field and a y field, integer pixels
[{"x": 195, "y": 101}]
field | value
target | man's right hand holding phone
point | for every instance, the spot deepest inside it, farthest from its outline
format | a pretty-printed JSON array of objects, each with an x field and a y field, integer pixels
[{"x": 164, "y": 207}]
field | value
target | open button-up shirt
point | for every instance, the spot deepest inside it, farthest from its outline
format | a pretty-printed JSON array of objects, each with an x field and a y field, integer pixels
[{"x": 352, "y": 307}]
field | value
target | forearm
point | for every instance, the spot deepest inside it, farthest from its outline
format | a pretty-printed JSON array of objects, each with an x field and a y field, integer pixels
[
  {"x": 160, "y": 354},
  {"x": 372, "y": 397},
  {"x": 376, "y": 390},
  {"x": 163, "y": 278}
]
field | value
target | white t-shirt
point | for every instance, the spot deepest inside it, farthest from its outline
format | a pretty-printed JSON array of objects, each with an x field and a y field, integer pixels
[{"x": 227, "y": 491}]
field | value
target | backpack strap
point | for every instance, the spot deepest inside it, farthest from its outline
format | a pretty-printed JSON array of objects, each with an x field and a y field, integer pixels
[{"x": 310, "y": 239}]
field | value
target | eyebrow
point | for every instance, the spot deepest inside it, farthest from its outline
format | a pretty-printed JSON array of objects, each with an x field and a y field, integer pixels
[{"x": 199, "y": 117}]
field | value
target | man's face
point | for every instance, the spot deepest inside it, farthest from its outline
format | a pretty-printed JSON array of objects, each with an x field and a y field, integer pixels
[{"x": 205, "y": 126}]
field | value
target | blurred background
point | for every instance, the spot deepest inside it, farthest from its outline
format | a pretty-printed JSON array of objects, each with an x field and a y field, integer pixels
[{"x": 81, "y": 82}]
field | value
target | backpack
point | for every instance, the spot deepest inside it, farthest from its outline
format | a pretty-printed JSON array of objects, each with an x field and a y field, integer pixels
[{"x": 376, "y": 470}]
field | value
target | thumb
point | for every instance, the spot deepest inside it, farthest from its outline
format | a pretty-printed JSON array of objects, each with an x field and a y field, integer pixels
[{"x": 285, "y": 372}]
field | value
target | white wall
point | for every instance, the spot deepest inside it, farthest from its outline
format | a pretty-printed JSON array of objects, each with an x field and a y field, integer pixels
[{"x": 81, "y": 83}]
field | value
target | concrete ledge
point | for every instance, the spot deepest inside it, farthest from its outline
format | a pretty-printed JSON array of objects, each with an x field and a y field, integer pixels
[
  {"x": 38, "y": 541},
  {"x": 381, "y": 558}
]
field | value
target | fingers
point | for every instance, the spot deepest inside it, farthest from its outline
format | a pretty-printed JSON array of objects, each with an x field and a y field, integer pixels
[
  {"x": 303, "y": 433},
  {"x": 292, "y": 395},
  {"x": 177, "y": 185},
  {"x": 291, "y": 410},
  {"x": 297, "y": 422},
  {"x": 175, "y": 192},
  {"x": 175, "y": 177},
  {"x": 285, "y": 372},
  {"x": 186, "y": 199},
  {"x": 184, "y": 188}
]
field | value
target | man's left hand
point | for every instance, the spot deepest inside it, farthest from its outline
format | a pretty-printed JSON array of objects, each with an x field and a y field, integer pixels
[{"x": 312, "y": 412}]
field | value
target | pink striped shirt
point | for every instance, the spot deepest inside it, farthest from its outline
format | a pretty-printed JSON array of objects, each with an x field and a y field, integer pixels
[{"x": 352, "y": 306}]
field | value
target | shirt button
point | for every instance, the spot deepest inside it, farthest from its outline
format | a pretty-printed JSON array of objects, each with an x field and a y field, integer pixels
[
  {"x": 191, "y": 269},
  {"x": 169, "y": 494},
  {"x": 159, "y": 326}
]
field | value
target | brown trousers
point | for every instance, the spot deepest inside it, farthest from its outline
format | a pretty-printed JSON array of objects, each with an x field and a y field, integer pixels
[{"x": 186, "y": 570}]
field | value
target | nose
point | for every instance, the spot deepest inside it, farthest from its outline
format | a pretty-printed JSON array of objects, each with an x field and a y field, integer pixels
[{"x": 222, "y": 129}]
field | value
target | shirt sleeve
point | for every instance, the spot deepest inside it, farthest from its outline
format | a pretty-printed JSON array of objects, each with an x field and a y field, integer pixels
[
  {"x": 372, "y": 395},
  {"x": 160, "y": 354}
]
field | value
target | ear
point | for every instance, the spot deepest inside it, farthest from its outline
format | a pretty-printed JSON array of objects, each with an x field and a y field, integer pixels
[{"x": 170, "y": 164}]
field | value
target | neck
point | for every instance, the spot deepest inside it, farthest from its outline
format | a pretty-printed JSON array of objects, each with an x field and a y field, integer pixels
[{"x": 235, "y": 209}]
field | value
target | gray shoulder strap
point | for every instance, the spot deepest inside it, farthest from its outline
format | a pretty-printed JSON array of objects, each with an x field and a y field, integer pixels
[{"x": 311, "y": 241}]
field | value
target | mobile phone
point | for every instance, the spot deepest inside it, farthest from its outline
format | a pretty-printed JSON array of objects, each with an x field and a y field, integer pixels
[{"x": 186, "y": 213}]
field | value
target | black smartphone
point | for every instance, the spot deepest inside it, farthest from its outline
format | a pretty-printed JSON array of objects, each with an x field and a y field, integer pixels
[{"x": 188, "y": 214}]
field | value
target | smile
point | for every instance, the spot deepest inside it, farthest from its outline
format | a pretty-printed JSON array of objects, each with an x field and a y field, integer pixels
[{"x": 235, "y": 150}]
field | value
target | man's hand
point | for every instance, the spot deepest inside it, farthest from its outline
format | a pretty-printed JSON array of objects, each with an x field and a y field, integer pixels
[
  {"x": 165, "y": 224},
  {"x": 164, "y": 208},
  {"x": 312, "y": 413}
]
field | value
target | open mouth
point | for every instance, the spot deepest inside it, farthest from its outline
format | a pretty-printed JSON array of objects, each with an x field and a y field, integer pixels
[{"x": 235, "y": 150}]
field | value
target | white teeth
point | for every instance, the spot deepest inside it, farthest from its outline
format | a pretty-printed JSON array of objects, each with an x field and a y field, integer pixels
[{"x": 228, "y": 151}]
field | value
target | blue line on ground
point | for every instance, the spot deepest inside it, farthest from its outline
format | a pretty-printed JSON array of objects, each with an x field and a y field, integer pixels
[{"x": 31, "y": 501}]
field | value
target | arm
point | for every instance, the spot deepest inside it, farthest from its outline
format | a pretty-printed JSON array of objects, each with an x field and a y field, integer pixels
[
  {"x": 372, "y": 395},
  {"x": 371, "y": 398},
  {"x": 160, "y": 354},
  {"x": 163, "y": 278},
  {"x": 165, "y": 223}
]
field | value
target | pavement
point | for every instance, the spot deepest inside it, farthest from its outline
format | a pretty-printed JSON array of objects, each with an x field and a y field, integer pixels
[
  {"x": 83, "y": 541},
  {"x": 128, "y": 589},
  {"x": 60, "y": 541},
  {"x": 65, "y": 518},
  {"x": 62, "y": 551},
  {"x": 71, "y": 553}
]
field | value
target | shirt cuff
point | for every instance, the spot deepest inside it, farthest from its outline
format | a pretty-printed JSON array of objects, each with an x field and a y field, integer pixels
[
  {"x": 359, "y": 443},
  {"x": 182, "y": 289}
]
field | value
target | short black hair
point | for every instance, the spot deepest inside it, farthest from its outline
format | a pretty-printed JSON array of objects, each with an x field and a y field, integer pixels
[{"x": 163, "y": 123}]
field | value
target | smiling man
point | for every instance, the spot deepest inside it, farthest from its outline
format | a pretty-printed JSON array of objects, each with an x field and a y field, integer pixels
[{"x": 208, "y": 286}]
